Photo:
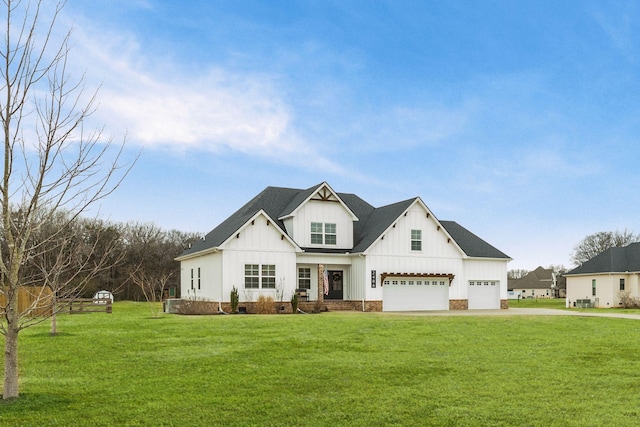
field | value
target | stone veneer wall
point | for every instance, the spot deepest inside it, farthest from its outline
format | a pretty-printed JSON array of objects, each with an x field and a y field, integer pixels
[
  {"x": 458, "y": 304},
  {"x": 335, "y": 305},
  {"x": 210, "y": 307},
  {"x": 504, "y": 304}
]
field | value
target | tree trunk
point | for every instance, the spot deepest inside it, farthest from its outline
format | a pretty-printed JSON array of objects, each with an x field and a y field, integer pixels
[
  {"x": 10, "y": 390},
  {"x": 54, "y": 312}
]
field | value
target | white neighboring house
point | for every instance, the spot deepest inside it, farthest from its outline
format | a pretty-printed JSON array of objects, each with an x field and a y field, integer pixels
[
  {"x": 344, "y": 251},
  {"x": 601, "y": 279}
]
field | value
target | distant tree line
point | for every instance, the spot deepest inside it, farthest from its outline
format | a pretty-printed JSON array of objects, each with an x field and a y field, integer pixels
[
  {"x": 597, "y": 243},
  {"x": 131, "y": 259},
  {"x": 588, "y": 248}
]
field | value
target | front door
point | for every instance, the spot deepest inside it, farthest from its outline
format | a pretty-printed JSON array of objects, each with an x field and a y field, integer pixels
[{"x": 335, "y": 284}]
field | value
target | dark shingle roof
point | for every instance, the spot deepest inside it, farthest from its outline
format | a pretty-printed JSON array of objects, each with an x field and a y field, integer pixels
[
  {"x": 376, "y": 223},
  {"x": 278, "y": 202},
  {"x": 471, "y": 244},
  {"x": 613, "y": 260},
  {"x": 540, "y": 278},
  {"x": 272, "y": 200}
]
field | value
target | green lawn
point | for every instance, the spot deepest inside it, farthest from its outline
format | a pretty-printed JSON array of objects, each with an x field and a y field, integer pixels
[
  {"x": 538, "y": 303},
  {"x": 331, "y": 369}
]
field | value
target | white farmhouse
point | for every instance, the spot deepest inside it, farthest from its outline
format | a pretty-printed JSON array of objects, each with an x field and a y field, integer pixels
[{"x": 345, "y": 253}]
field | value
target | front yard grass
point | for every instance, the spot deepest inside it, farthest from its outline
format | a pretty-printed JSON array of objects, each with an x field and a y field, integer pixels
[
  {"x": 560, "y": 303},
  {"x": 355, "y": 369}
]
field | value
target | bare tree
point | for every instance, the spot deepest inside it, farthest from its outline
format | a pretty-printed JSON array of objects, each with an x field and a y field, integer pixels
[
  {"x": 51, "y": 163},
  {"x": 597, "y": 243},
  {"x": 517, "y": 273},
  {"x": 150, "y": 257},
  {"x": 152, "y": 284}
]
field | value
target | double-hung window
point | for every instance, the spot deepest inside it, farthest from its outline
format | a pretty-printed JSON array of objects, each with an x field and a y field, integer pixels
[
  {"x": 304, "y": 278},
  {"x": 251, "y": 276},
  {"x": 316, "y": 233},
  {"x": 258, "y": 276},
  {"x": 330, "y": 234},
  {"x": 593, "y": 287},
  {"x": 323, "y": 233},
  {"x": 268, "y": 276},
  {"x": 622, "y": 284},
  {"x": 416, "y": 240}
]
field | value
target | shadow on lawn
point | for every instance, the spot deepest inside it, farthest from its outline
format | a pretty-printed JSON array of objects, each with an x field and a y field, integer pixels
[{"x": 35, "y": 402}]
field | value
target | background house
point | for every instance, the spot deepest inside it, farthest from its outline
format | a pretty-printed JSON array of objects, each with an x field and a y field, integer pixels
[
  {"x": 539, "y": 283},
  {"x": 602, "y": 278},
  {"x": 344, "y": 252}
]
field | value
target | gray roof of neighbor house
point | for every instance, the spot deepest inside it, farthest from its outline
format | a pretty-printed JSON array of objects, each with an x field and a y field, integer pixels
[
  {"x": 540, "y": 278},
  {"x": 372, "y": 222},
  {"x": 613, "y": 260}
]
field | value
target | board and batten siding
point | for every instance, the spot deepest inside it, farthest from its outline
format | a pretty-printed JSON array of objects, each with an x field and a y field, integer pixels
[
  {"x": 325, "y": 212},
  {"x": 485, "y": 270},
  {"x": 360, "y": 278},
  {"x": 210, "y": 266},
  {"x": 258, "y": 243},
  {"x": 393, "y": 254}
]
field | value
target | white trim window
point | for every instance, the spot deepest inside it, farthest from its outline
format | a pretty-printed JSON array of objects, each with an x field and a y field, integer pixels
[
  {"x": 330, "y": 236},
  {"x": 268, "y": 276},
  {"x": 251, "y": 276},
  {"x": 316, "y": 233},
  {"x": 416, "y": 240},
  {"x": 304, "y": 278},
  {"x": 258, "y": 276},
  {"x": 323, "y": 233}
]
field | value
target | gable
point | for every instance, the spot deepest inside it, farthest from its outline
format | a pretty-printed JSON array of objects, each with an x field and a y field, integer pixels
[
  {"x": 320, "y": 193},
  {"x": 262, "y": 234},
  {"x": 397, "y": 237}
]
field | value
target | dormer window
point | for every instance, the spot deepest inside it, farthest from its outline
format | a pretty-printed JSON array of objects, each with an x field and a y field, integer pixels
[
  {"x": 330, "y": 234},
  {"x": 323, "y": 233},
  {"x": 316, "y": 233}
]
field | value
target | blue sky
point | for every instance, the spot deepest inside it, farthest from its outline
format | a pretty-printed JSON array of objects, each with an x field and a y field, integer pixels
[{"x": 519, "y": 120}]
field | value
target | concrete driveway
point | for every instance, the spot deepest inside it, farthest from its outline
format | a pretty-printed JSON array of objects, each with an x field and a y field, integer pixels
[{"x": 521, "y": 312}]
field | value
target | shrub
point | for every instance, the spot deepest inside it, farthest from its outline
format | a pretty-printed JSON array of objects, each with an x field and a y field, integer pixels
[
  {"x": 294, "y": 303},
  {"x": 627, "y": 301},
  {"x": 235, "y": 299},
  {"x": 264, "y": 305}
]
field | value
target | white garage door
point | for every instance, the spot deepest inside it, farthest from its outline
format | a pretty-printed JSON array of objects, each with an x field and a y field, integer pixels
[
  {"x": 415, "y": 294},
  {"x": 484, "y": 294}
]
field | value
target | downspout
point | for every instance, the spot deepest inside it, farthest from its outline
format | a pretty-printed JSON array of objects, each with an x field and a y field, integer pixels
[
  {"x": 220, "y": 310},
  {"x": 364, "y": 285}
]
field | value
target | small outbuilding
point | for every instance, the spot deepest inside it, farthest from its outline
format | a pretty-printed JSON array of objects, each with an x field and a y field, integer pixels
[{"x": 100, "y": 297}]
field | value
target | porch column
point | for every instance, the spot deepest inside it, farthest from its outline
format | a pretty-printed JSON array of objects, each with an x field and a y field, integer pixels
[{"x": 321, "y": 283}]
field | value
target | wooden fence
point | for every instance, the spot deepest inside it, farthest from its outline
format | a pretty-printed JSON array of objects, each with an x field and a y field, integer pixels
[
  {"x": 86, "y": 305},
  {"x": 36, "y": 300}
]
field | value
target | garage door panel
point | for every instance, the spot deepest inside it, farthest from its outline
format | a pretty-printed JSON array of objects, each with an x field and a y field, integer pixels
[
  {"x": 484, "y": 295},
  {"x": 400, "y": 294}
]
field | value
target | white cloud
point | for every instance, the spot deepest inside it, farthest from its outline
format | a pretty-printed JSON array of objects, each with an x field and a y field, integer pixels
[{"x": 159, "y": 103}]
